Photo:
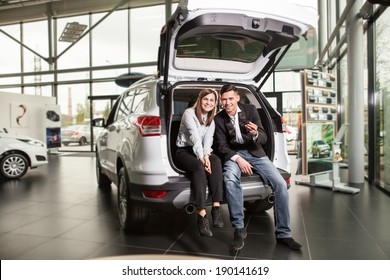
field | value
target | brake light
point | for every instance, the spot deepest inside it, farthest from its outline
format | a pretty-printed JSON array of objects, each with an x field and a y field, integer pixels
[
  {"x": 284, "y": 128},
  {"x": 288, "y": 181},
  {"x": 149, "y": 126},
  {"x": 154, "y": 194}
]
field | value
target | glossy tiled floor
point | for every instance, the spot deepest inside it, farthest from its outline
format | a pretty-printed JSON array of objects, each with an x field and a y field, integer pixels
[{"x": 57, "y": 212}]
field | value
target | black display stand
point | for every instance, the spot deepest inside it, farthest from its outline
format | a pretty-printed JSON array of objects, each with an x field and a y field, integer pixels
[{"x": 319, "y": 123}]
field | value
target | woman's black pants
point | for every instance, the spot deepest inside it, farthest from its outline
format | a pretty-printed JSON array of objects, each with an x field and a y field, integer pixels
[{"x": 200, "y": 178}]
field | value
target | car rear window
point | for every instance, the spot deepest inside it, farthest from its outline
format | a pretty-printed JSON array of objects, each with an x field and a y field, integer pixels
[{"x": 244, "y": 50}]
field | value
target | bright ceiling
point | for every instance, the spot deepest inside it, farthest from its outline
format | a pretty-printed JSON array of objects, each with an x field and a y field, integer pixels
[{"x": 15, "y": 11}]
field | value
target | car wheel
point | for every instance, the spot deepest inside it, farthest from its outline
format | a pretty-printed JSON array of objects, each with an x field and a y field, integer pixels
[
  {"x": 130, "y": 214},
  {"x": 260, "y": 205},
  {"x": 102, "y": 180},
  {"x": 14, "y": 166},
  {"x": 82, "y": 141}
]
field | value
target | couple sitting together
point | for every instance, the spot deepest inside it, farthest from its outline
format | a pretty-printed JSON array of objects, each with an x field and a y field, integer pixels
[{"x": 241, "y": 151}]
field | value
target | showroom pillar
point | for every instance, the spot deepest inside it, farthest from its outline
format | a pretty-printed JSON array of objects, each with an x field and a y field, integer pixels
[
  {"x": 355, "y": 94},
  {"x": 168, "y": 9},
  {"x": 322, "y": 25}
]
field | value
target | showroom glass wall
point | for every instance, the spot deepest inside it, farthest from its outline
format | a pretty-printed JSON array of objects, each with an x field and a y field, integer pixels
[
  {"x": 377, "y": 96},
  {"x": 116, "y": 45},
  {"x": 376, "y": 61},
  {"x": 382, "y": 94}
]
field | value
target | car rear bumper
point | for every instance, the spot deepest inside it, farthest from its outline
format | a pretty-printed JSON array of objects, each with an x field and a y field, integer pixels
[
  {"x": 179, "y": 195},
  {"x": 71, "y": 139}
]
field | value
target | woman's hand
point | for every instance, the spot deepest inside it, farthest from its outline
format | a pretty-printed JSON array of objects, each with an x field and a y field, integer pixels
[{"x": 207, "y": 164}]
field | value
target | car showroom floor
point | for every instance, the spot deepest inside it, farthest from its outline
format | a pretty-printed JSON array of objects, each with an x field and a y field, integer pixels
[{"x": 57, "y": 212}]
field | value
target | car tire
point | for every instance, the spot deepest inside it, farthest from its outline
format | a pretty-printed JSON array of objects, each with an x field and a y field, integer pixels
[
  {"x": 13, "y": 166},
  {"x": 260, "y": 205},
  {"x": 102, "y": 180},
  {"x": 82, "y": 141},
  {"x": 130, "y": 214}
]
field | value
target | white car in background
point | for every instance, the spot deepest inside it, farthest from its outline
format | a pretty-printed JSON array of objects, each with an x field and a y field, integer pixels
[
  {"x": 79, "y": 134},
  {"x": 18, "y": 153},
  {"x": 291, "y": 133}
]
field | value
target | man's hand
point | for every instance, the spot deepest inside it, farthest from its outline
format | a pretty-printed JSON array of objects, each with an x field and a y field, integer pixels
[
  {"x": 251, "y": 128},
  {"x": 245, "y": 166}
]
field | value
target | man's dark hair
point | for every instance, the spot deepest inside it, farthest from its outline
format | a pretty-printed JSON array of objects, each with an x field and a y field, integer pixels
[{"x": 228, "y": 87}]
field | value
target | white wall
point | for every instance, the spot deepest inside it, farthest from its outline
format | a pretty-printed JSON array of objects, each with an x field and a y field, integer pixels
[{"x": 33, "y": 124}]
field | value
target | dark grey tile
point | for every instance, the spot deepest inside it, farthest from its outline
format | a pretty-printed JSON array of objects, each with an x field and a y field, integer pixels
[
  {"x": 261, "y": 224},
  {"x": 69, "y": 197},
  {"x": 264, "y": 246},
  {"x": 49, "y": 227},
  {"x": 266, "y": 225},
  {"x": 43, "y": 209},
  {"x": 345, "y": 230},
  {"x": 109, "y": 217},
  {"x": 58, "y": 212},
  {"x": 325, "y": 204},
  {"x": 13, "y": 245},
  {"x": 218, "y": 245},
  {"x": 385, "y": 246},
  {"x": 180, "y": 255},
  {"x": 373, "y": 213},
  {"x": 378, "y": 232},
  {"x": 61, "y": 249},
  {"x": 93, "y": 231},
  {"x": 10, "y": 206},
  {"x": 111, "y": 251},
  {"x": 344, "y": 249},
  {"x": 161, "y": 241},
  {"x": 11, "y": 222},
  {"x": 85, "y": 212}
]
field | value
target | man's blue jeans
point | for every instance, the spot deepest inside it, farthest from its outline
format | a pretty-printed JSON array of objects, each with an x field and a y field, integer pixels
[{"x": 234, "y": 195}]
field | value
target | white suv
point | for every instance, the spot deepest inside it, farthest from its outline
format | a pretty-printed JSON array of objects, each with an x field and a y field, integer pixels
[{"x": 202, "y": 45}]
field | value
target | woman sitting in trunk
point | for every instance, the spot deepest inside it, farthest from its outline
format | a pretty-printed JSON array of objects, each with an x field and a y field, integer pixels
[{"x": 194, "y": 155}]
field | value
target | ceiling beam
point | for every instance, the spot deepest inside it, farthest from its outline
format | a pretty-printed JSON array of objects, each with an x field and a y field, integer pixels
[{"x": 40, "y": 9}]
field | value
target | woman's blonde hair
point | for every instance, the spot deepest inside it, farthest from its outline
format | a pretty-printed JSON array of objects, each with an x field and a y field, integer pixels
[{"x": 198, "y": 108}]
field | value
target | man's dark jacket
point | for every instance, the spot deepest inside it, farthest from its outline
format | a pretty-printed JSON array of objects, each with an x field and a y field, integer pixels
[{"x": 225, "y": 144}]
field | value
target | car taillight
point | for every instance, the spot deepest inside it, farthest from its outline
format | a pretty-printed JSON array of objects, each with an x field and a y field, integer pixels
[
  {"x": 149, "y": 126},
  {"x": 154, "y": 194},
  {"x": 288, "y": 181},
  {"x": 284, "y": 128}
]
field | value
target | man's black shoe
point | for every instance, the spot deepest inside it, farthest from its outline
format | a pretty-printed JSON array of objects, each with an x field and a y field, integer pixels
[
  {"x": 289, "y": 242},
  {"x": 216, "y": 213},
  {"x": 204, "y": 226},
  {"x": 238, "y": 240}
]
